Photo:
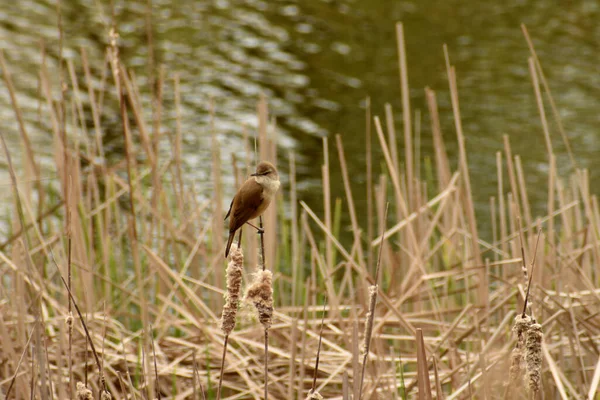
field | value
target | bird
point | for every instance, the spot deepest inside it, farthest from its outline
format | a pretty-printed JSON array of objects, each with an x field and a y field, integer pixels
[{"x": 252, "y": 198}]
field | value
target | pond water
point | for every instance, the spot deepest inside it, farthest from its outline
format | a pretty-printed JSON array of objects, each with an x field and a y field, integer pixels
[{"x": 317, "y": 61}]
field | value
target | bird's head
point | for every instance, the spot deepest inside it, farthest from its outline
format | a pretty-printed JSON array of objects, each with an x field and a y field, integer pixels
[{"x": 267, "y": 170}]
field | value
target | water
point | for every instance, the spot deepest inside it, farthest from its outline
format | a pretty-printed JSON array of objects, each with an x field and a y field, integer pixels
[{"x": 317, "y": 61}]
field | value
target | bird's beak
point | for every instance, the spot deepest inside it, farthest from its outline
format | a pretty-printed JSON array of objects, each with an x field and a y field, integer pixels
[{"x": 255, "y": 174}]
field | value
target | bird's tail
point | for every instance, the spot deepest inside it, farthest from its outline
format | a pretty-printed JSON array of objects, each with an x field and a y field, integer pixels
[{"x": 229, "y": 241}]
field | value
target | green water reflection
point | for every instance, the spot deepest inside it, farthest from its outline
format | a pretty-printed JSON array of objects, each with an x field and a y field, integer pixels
[{"x": 318, "y": 60}]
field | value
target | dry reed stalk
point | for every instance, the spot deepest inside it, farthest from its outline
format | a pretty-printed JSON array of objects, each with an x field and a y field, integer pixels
[
  {"x": 19, "y": 116},
  {"x": 494, "y": 221},
  {"x": 555, "y": 111},
  {"x": 99, "y": 151},
  {"x": 217, "y": 198},
  {"x": 69, "y": 319},
  {"x": 157, "y": 383},
  {"x": 402, "y": 205},
  {"x": 267, "y": 150},
  {"x": 370, "y": 317},
  {"x": 355, "y": 359},
  {"x": 391, "y": 132},
  {"x": 369, "y": 166},
  {"x": 294, "y": 228},
  {"x": 527, "y": 354},
  {"x": 197, "y": 378},
  {"x": 540, "y": 104},
  {"x": 327, "y": 203},
  {"x": 356, "y": 231},
  {"x": 463, "y": 162},
  {"x": 303, "y": 340},
  {"x": 595, "y": 380},
  {"x": 523, "y": 191},
  {"x": 122, "y": 384},
  {"x": 292, "y": 361},
  {"x": 13, "y": 379},
  {"x": 33, "y": 274},
  {"x": 417, "y": 152},
  {"x": 260, "y": 293},
  {"x": 89, "y": 338},
  {"x": 511, "y": 171},
  {"x": 501, "y": 204},
  {"x": 157, "y": 113},
  {"x": 422, "y": 368},
  {"x": 313, "y": 393},
  {"x": 406, "y": 115},
  {"x": 441, "y": 157},
  {"x": 345, "y": 386},
  {"x": 401, "y": 201},
  {"x": 322, "y": 264},
  {"x": 438, "y": 386}
]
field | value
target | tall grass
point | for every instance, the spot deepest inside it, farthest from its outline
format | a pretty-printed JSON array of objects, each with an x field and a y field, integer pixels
[{"x": 145, "y": 259}]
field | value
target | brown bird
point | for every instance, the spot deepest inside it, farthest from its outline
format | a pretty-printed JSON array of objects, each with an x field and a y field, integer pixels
[{"x": 252, "y": 199}]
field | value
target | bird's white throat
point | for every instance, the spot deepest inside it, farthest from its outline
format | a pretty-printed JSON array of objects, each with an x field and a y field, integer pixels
[{"x": 270, "y": 185}]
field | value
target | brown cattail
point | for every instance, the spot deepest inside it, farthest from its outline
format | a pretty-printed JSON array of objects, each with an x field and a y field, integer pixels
[
  {"x": 516, "y": 361},
  {"x": 533, "y": 357},
  {"x": 522, "y": 323},
  {"x": 364, "y": 348},
  {"x": 260, "y": 293},
  {"x": 234, "y": 286},
  {"x": 83, "y": 393},
  {"x": 520, "y": 327}
]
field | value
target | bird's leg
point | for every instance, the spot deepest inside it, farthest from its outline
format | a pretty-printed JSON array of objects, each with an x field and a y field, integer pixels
[
  {"x": 262, "y": 244},
  {"x": 260, "y": 231},
  {"x": 240, "y": 239}
]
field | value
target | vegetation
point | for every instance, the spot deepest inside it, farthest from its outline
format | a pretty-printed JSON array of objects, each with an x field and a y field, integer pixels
[{"x": 424, "y": 306}]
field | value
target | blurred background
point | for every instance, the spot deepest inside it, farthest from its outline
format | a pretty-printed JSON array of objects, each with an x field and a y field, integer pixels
[{"x": 317, "y": 61}]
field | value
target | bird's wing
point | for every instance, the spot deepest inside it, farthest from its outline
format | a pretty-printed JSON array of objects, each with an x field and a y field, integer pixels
[
  {"x": 230, "y": 205},
  {"x": 244, "y": 207}
]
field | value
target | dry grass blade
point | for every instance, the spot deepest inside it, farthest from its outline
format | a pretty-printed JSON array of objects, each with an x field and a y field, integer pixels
[
  {"x": 260, "y": 293},
  {"x": 312, "y": 393},
  {"x": 87, "y": 333},
  {"x": 157, "y": 383},
  {"x": 12, "y": 381},
  {"x": 532, "y": 269},
  {"x": 422, "y": 368}
]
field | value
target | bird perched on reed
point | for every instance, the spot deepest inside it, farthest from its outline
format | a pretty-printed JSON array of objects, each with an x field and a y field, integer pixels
[{"x": 252, "y": 198}]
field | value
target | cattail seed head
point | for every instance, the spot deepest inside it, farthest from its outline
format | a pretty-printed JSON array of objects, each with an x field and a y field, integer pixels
[
  {"x": 364, "y": 348},
  {"x": 83, "y": 393},
  {"x": 260, "y": 293},
  {"x": 533, "y": 357},
  {"x": 521, "y": 325},
  {"x": 516, "y": 361},
  {"x": 234, "y": 287}
]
